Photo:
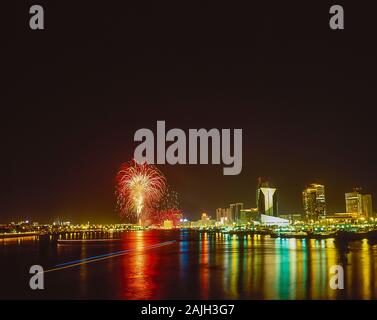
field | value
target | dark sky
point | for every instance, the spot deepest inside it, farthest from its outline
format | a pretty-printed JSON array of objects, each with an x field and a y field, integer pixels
[{"x": 304, "y": 95}]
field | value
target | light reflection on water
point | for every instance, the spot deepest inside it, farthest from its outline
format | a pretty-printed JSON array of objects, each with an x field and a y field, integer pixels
[{"x": 196, "y": 266}]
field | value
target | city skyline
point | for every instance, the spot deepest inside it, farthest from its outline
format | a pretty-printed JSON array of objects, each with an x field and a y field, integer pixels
[
  {"x": 363, "y": 202},
  {"x": 296, "y": 101},
  {"x": 314, "y": 203}
]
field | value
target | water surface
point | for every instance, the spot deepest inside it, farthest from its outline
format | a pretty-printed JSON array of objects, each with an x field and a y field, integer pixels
[{"x": 196, "y": 266}]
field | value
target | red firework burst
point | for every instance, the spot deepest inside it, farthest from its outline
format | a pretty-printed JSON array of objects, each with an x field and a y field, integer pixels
[{"x": 139, "y": 186}]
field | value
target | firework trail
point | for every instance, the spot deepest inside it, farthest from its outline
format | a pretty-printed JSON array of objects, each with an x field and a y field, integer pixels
[{"x": 139, "y": 187}]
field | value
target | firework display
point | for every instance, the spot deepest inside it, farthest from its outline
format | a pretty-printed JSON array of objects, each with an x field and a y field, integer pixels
[
  {"x": 139, "y": 187},
  {"x": 169, "y": 200}
]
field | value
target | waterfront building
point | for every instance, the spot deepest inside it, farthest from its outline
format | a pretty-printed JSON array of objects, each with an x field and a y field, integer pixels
[
  {"x": 249, "y": 215},
  {"x": 229, "y": 215},
  {"x": 291, "y": 216},
  {"x": 205, "y": 221},
  {"x": 266, "y": 198},
  {"x": 205, "y": 217},
  {"x": 367, "y": 205},
  {"x": 359, "y": 203},
  {"x": 184, "y": 223},
  {"x": 354, "y": 201},
  {"x": 223, "y": 215},
  {"x": 273, "y": 221},
  {"x": 339, "y": 217},
  {"x": 314, "y": 201},
  {"x": 168, "y": 224},
  {"x": 235, "y": 211}
]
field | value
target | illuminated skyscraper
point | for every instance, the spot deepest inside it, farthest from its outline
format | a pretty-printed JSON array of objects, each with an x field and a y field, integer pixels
[
  {"x": 266, "y": 198},
  {"x": 235, "y": 211},
  {"x": 223, "y": 215},
  {"x": 314, "y": 201},
  {"x": 367, "y": 205},
  {"x": 248, "y": 215},
  {"x": 359, "y": 203},
  {"x": 354, "y": 201}
]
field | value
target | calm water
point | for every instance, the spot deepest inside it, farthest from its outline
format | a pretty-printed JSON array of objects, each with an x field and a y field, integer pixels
[{"x": 196, "y": 266}]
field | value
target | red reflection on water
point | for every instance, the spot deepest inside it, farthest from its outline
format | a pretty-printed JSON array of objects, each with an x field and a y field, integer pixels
[
  {"x": 203, "y": 262},
  {"x": 141, "y": 269}
]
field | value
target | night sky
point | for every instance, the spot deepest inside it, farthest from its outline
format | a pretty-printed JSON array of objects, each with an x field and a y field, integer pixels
[{"x": 304, "y": 95}]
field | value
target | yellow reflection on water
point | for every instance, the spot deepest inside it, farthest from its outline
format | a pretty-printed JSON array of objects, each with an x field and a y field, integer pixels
[
  {"x": 234, "y": 265},
  {"x": 300, "y": 283},
  {"x": 248, "y": 274},
  {"x": 293, "y": 248},
  {"x": 17, "y": 240},
  {"x": 230, "y": 266},
  {"x": 332, "y": 259},
  {"x": 365, "y": 267}
]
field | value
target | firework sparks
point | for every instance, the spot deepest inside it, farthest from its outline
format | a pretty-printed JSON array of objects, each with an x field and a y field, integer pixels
[{"x": 139, "y": 187}]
